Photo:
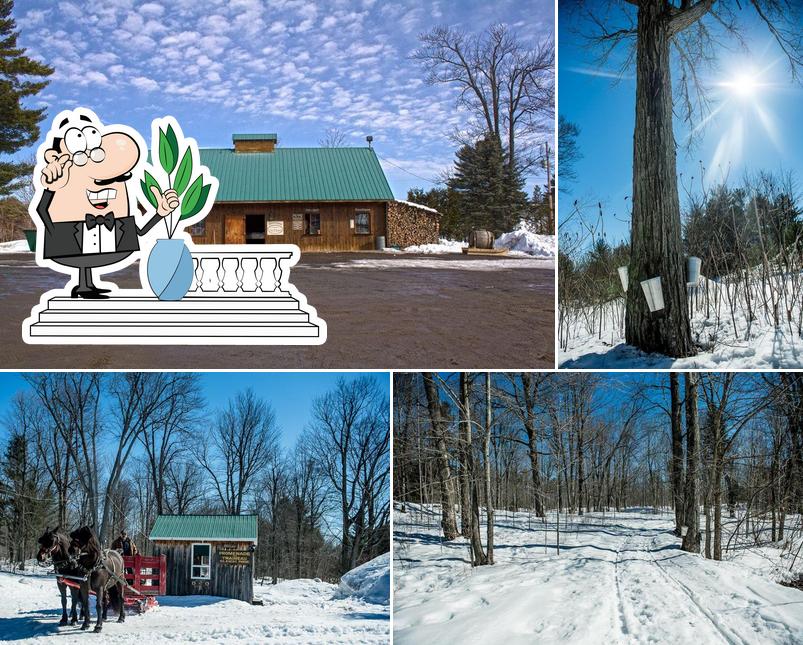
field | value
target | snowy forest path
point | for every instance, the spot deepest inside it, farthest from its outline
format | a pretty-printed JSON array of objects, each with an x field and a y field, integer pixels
[{"x": 619, "y": 578}]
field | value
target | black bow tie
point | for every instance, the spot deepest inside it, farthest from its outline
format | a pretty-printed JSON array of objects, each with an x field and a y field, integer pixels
[{"x": 93, "y": 220}]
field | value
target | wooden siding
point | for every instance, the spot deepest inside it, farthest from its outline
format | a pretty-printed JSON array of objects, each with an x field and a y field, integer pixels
[
  {"x": 226, "y": 580},
  {"x": 226, "y": 224},
  {"x": 254, "y": 145}
]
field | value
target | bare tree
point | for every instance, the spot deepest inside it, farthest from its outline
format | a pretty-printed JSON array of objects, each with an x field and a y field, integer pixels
[
  {"x": 241, "y": 444},
  {"x": 691, "y": 513},
  {"x": 691, "y": 29},
  {"x": 676, "y": 469},
  {"x": 332, "y": 138},
  {"x": 350, "y": 434},
  {"x": 435, "y": 407},
  {"x": 507, "y": 86}
]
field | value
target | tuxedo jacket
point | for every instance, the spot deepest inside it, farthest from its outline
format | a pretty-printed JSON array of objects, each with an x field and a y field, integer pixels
[{"x": 65, "y": 239}]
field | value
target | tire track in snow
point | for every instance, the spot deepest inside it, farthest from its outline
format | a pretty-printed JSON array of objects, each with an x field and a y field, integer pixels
[
  {"x": 727, "y": 634},
  {"x": 624, "y": 628}
]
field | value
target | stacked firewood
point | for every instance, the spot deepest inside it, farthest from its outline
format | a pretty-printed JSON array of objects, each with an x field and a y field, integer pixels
[{"x": 411, "y": 224}]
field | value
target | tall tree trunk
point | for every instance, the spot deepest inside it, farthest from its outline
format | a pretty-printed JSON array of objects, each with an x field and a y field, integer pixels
[
  {"x": 486, "y": 446},
  {"x": 716, "y": 484},
  {"x": 478, "y": 555},
  {"x": 448, "y": 520},
  {"x": 677, "y": 451},
  {"x": 691, "y": 513},
  {"x": 532, "y": 441},
  {"x": 655, "y": 224}
]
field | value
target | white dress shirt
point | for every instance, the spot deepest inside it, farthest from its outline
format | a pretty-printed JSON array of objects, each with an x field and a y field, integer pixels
[{"x": 99, "y": 240}]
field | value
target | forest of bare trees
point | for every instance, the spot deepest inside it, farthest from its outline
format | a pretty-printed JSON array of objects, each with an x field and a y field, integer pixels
[
  {"x": 116, "y": 450},
  {"x": 710, "y": 447}
]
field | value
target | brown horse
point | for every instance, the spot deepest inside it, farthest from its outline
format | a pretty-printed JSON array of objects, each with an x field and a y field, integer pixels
[
  {"x": 103, "y": 571},
  {"x": 55, "y": 547}
]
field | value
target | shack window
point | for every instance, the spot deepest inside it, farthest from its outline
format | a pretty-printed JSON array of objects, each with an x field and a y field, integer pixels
[
  {"x": 312, "y": 223},
  {"x": 362, "y": 222},
  {"x": 199, "y": 228},
  {"x": 201, "y": 555}
]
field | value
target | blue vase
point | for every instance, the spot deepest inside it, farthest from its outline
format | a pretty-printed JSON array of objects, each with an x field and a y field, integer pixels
[{"x": 170, "y": 269}]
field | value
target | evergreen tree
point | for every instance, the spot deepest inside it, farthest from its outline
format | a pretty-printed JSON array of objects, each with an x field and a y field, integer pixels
[
  {"x": 19, "y": 79},
  {"x": 491, "y": 194}
]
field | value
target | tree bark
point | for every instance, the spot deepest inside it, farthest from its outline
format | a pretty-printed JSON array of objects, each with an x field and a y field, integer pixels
[
  {"x": 448, "y": 520},
  {"x": 489, "y": 508},
  {"x": 655, "y": 224},
  {"x": 691, "y": 514},
  {"x": 478, "y": 555},
  {"x": 677, "y": 451}
]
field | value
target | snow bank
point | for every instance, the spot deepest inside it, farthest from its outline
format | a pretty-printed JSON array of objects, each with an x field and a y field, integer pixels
[
  {"x": 444, "y": 246},
  {"x": 369, "y": 581},
  {"x": 523, "y": 240},
  {"x": 17, "y": 246}
]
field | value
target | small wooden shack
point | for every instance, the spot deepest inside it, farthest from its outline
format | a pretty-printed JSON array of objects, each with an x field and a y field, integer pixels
[
  {"x": 210, "y": 555},
  {"x": 321, "y": 199}
]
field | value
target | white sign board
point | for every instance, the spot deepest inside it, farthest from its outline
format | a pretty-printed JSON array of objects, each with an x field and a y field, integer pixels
[
  {"x": 275, "y": 228},
  {"x": 298, "y": 221}
]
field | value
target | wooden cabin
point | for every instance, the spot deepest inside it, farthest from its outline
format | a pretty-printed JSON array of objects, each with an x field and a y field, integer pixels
[
  {"x": 209, "y": 555},
  {"x": 320, "y": 199}
]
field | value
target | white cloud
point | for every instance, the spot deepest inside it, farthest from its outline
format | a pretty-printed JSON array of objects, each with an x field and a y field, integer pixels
[
  {"x": 144, "y": 83},
  {"x": 152, "y": 9}
]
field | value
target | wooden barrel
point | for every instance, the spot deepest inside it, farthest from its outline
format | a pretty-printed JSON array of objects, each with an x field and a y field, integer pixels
[{"x": 481, "y": 239}]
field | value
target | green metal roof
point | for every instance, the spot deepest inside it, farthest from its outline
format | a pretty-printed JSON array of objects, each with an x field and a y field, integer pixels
[
  {"x": 297, "y": 175},
  {"x": 205, "y": 527},
  {"x": 265, "y": 136}
]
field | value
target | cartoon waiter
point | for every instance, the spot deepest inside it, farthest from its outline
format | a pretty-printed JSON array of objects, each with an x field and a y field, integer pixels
[{"x": 84, "y": 206}]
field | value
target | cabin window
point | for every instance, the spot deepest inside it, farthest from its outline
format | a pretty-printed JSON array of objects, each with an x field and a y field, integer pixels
[
  {"x": 199, "y": 228},
  {"x": 362, "y": 222},
  {"x": 312, "y": 223},
  {"x": 201, "y": 556}
]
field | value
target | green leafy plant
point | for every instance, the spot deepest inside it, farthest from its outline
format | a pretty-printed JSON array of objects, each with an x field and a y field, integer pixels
[{"x": 192, "y": 192}]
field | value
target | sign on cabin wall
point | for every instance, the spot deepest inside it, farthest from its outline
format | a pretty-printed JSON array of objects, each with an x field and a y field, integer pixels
[
  {"x": 275, "y": 228},
  {"x": 232, "y": 554},
  {"x": 298, "y": 221}
]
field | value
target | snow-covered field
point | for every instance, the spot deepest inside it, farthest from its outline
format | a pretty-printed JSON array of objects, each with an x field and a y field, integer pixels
[
  {"x": 731, "y": 340},
  {"x": 619, "y": 578},
  {"x": 294, "y": 611}
]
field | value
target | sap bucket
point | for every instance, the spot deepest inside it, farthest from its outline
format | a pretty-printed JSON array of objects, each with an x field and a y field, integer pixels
[
  {"x": 693, "y": 271},
  {"x": 170, "y": 269},
  {"x": 653, "y": 293},
  {"x": 623, "y": 277}
]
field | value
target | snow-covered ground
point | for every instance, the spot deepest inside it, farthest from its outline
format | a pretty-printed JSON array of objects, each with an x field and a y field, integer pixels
[
  {"x": 16, "y": 246},
  {"x": 294, "y": 611},
  {"x": 619, "y": 578},
  {"x": 730, "y": 340}
]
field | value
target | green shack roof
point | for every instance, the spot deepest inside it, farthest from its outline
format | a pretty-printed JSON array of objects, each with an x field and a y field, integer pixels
[
  {"x": 205, "y": 528},
  {"x": 298, "y": 175}
]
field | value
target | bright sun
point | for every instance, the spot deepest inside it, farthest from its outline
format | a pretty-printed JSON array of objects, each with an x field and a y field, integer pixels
[{"x": 743, "y": 85}]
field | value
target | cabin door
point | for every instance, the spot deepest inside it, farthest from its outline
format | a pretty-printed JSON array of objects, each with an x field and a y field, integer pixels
[{"x": 234, "y": 230}]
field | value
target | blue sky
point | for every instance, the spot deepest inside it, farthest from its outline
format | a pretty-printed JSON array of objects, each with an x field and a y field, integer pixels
[
  {"x": 290, "y": 393},
  {"x": 759, "y": 130},
  {"x": 295, "y": 67}
]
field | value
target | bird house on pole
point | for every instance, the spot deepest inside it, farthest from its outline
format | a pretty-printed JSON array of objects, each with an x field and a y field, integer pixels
[
  {"x": 653, "y": 293},
  {"x": 623, "y": 277}
]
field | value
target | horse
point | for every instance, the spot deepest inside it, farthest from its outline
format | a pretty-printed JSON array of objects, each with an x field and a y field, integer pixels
[
  {"x": 103, "y": 571},
  {"x": 55, "y": 546}
]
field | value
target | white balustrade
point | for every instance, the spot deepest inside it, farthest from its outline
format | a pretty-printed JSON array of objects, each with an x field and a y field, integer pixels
[{"x": 240, "y": 273}]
